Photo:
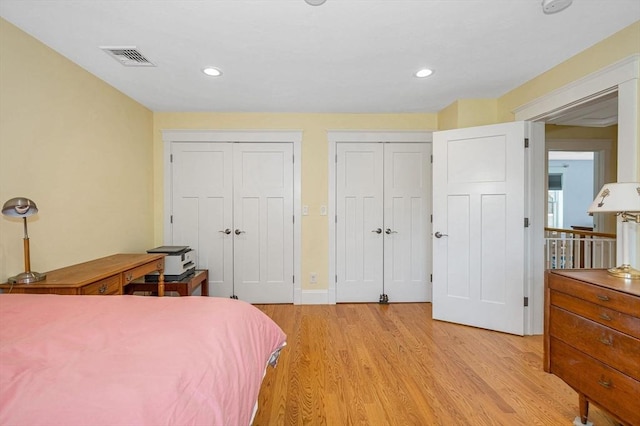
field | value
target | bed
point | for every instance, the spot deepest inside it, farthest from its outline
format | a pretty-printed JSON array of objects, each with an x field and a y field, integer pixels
[{"x": 132, "y": 360}]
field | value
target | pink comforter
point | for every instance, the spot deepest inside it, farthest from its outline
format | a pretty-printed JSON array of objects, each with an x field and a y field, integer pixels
[{"x": 131, "y": 360}]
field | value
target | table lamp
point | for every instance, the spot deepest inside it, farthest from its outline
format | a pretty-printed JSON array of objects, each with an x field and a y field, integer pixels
[
  {"x": 23, "y": 207},
  {"x": 623, "y": 199}
]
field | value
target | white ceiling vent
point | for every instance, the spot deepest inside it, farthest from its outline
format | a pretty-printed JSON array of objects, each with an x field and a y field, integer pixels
[{"x": 128, "y": 56}]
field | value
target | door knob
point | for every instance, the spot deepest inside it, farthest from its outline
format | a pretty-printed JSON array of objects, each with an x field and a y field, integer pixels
[
  {"x": 238, "y": 232},
  {"x": 439, "y": 234},
  {"x": 226, "y": 231},
  {"x": 389, "y": 231},
  {"x": 377, "y": 231}
]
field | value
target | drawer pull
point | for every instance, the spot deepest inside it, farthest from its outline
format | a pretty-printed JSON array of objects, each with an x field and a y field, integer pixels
[
  {"x": 605, "y": 383},
  {"x": 102, "y": 289},
  {"x": 605, "y": 341},
  {"x": 605, "y": 317},
  {"x": 602, "y": 297}
]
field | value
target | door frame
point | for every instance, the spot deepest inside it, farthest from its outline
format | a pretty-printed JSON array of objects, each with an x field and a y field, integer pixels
[
  {"x": 230, "y": 136},
  {"x": 621, "y": 76},
  {"x": 356, "y": 136}
]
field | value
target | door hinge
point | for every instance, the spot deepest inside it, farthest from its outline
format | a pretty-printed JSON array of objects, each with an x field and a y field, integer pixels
[
  {"x": 431, "y": 158},
  {"x": 526, "y": 222},
  {"x": 336, "y": 158},
  {"x": 430, "y": 278},
  {"x": 336, "y": 277},
  {"x": 294, "y": 218},
  {"x": 526, "y": 142},
  {"x": 294, "y": 279},
  {"x": 336, "y": 219},
  {"x": 171, "y": 158},
  {"x": 171, "y": 219},
  {"x": 431, "y": 218},
  {"x": 526, "y": 301}
]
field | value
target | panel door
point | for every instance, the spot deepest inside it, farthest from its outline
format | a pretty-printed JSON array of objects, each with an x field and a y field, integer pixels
[
  {"x": 478, "y": 224},
  {"x": 407, "y": 225},
  {"x": 202, "y": 208},
  {"x": 263, "y": 222},
  {"x": 359, "y": 227}
]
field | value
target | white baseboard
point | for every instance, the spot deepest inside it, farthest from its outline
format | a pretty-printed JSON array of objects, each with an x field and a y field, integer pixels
[{"x": 314, "y": 297}]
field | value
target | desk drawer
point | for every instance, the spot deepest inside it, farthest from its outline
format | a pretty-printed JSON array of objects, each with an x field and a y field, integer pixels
[
  {"x": 598, "y": 313},
  {"x": 103, "y": 287},
  {"x": 619, "y": 301},
  {"x": 141, "y": 271},
  {"x": 601, "y": 384},
  {"x": 603, "y": 343}
]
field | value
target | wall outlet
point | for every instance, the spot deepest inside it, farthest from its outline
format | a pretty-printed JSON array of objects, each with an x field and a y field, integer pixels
[{"x": 313, "y": 278}]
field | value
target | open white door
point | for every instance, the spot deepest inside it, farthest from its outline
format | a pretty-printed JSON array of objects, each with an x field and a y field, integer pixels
[{"x": 478, "y": 224}]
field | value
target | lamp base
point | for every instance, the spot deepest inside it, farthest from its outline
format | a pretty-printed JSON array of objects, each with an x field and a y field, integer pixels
[
  {"x": 625, "y": 271},
  {"x": 27, "y": 278}
]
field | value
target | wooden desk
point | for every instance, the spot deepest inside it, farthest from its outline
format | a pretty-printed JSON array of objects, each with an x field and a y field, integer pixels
[
  {"x": 104, "y": 276},
  {"x": 184, "y": 287},
  {"x": 592, "y": 339}
]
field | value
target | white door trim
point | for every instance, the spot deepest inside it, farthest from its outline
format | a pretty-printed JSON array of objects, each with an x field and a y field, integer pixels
[
  {"x": 287, "y": 136},
  {"x": 622, "y": 76},
  {"x": 356, "y": 136}
]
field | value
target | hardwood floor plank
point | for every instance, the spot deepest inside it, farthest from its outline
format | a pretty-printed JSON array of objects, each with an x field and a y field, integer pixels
[{"x": 371, "y": 364}]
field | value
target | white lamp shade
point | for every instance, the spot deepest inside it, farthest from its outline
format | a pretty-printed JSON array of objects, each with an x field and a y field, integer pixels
[{"x": 617, "y": 197}]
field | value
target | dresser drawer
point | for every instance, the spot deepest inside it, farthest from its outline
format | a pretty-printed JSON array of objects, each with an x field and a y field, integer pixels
[
  {"x": 602, "y": 385},
  {"x": 598, "y": 313},
  {"x": 608, "y": 298},
  {"x": 105, "y": 287},
  {"x": 603, "y": 343}
]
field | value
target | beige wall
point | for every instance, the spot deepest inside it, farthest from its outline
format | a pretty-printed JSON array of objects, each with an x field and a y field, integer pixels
[
  {"x": 80, "y": 149},
  {"x": 314, "y": 164},
  {"x": 68, "y": 139}
]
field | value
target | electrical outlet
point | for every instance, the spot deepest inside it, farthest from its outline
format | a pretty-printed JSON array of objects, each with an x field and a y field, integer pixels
[
  {"x": 305, "y": 210},
  {"x": 323, "y": 210},
  {"x": 313, "y": 278}
]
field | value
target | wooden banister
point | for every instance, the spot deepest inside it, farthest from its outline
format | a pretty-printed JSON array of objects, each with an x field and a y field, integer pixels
[{"x": 583, "y": 234}]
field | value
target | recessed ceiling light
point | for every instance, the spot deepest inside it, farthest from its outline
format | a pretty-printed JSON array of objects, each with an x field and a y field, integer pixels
[
  {"x": 213, "y": 72},
  {"x": 425, "y": 72}
]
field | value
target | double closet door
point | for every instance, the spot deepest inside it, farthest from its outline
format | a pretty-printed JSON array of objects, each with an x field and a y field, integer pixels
[
  {"x": 233, "y": 204},
  {"x": 383, "y": 207}
]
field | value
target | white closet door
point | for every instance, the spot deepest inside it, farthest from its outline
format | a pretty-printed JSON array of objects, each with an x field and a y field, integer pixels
[
  {"x": 202, "y": 208},
  {"x": 263, "y": 222},
  {"x": 407, "y": 209},
  {"x": 359, "y": 228}
]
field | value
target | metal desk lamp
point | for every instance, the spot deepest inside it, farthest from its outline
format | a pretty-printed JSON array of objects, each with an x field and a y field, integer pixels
[
  {"x": 23, "y": 207},
  {"x": 623, "y": 199}
]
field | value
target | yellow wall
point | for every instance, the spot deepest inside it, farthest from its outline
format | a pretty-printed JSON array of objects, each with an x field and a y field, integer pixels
[
  {"x": 80, "y": 149},
  {"x": 92, "y": 158},
  {"x": 314, "y": 164},
  {"x": 468, "y": 113}
]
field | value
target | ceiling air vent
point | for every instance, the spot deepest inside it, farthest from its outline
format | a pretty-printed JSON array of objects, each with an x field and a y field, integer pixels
[{"x": 128, "y": 56}]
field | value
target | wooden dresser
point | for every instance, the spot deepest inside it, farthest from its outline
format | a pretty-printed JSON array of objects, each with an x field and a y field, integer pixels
[
  {"x": 592, "y": 339},
  {"x": 104, "y": 276}
]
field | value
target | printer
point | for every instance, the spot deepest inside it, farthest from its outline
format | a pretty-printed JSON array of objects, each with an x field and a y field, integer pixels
[{"x": 179, "y": 262}]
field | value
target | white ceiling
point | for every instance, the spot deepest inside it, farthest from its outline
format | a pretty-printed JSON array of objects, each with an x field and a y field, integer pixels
[{"x": 354, "y": 56}]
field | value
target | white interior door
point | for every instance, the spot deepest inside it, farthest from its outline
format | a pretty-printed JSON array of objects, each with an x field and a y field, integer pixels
[
  {"x": 359, "y": 227},
  {"x": 233, "y": 204},
  {"x": 202, "y": 208},
  {"x": 478, "y": 215},
  {"x": 382, "y": 209},
  {"x": 407, "y": 209},
  {"x": 263, "y": 222}
]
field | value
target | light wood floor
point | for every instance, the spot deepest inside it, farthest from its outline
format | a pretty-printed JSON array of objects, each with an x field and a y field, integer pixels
[{"x": 371, "y": 364}]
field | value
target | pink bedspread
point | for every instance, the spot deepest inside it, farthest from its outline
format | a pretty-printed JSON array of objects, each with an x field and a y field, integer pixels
[{"x": 131, "y": 360}]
